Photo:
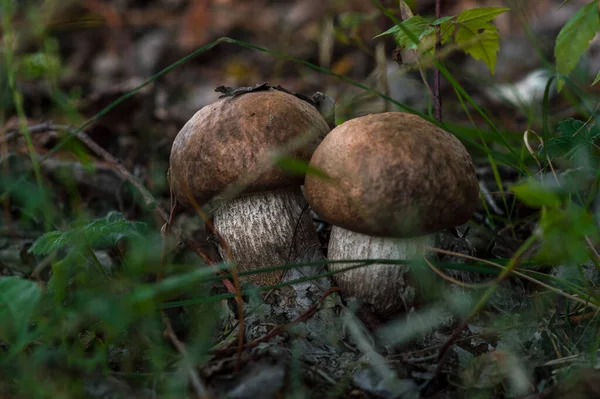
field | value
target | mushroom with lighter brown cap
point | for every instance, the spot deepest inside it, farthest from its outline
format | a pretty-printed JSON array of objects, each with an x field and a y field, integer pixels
[
  {"x": 225, "y": 152},
  {"x": 396, "y": 180}
]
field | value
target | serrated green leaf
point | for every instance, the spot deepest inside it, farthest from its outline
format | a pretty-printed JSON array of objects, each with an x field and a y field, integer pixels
[
  {"x": 594, "y": 132},
  {"x": 18, "y": 300},
  {"x": 574, "y": 38},
  {"x": 570, "y": 127},
  {"x": 482, "y": 43},
  {"x": 416, "y": 25},
  {"x": 479, "y": 17},
  {"x": 574, "y": 137},
  {"x": 534, "y": 194},
  {"x": 565, "y": 147},
  {"x": 596, "y": 79},
  {"x": 299, "y": 167},
  {"x": 99, "y": 232},
  {"x": 47, "y": 243}
]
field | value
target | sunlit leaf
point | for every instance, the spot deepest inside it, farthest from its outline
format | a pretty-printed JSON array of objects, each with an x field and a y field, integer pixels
[
  {"x": 479, "y": 17},
  {"x": 429, "y": 36},
  {"x": 481, "y": 43}
]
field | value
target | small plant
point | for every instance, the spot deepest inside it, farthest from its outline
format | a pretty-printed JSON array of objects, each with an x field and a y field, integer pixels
[{"x": 471, "y": 31}]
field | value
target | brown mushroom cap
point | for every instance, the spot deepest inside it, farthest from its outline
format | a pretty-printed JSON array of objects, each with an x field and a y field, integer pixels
[
  {"x": 394, "y": 175},
  {"x": 232, "y": 137}
]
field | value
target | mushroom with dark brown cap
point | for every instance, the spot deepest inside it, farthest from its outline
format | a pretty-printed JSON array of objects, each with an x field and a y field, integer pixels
[
  {"x": 397, "y": 179},
  {"x": 224, "y": 152}
]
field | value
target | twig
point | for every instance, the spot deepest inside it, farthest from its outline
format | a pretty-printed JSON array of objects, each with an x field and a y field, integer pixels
[
  {"x": 197, "y": 383},
  {"x": 510, "y": 267},
  {"x": 454, "y": 281},
  {"x": 592, "y": 247},
  {"x": 40, "y": 128},
  {"x": 151, "y": 201},
  {"x": 237, "y": 289},
  {"x": 520, "y": 275},
  {"x": 406, "y": 13},
  {"x": 282, "y": 328},
  {"x": 437, "y": 98},
  {"x": 147, "y": 197}
]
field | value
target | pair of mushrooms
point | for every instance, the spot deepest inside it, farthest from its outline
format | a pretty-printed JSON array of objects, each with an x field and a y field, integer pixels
[{"x": 395, "y": 180}]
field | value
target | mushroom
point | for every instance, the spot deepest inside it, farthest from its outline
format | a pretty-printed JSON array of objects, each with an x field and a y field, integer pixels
[
  {"x": 225, "y": 152},
  {"x": 396, "y": 180}
]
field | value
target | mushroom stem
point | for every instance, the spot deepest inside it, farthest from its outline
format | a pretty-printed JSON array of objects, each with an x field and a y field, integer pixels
[
  {"x": 271, "y": 229},
  {"x": 378, "y": 285}
]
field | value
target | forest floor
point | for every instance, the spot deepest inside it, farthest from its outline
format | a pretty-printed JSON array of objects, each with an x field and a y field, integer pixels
[{"x": 96, "y": 302}]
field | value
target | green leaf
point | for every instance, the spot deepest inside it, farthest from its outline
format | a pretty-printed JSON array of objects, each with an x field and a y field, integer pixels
[
  {"x": 482, "y": 43},
  {"x": 564, "y": 147},
  {"x": 416, "y": 25},
  {"x": 428, "y": 37},
  {"x": 442, "y": 20},
  {"x": 596, "y": 80},
  {"x": 570, "y": 126},
  {"x": 536, "y": 195},
  {"x": 564, "y": 233},
  {"x": 299, "y": 167},
  {"x": 18, "y": 300},
  {"x": 594, "y": 132},
  {"x": 100, "y": 232},
  {"x": 574, "y": 38},
  {"x": 479, "y": 17},
  {"x": 574, "y": 136}
]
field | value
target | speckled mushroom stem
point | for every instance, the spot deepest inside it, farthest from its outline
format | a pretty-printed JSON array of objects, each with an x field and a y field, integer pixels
[
  {"x": 380, "y": 284},
  {"x": 271, "y": 229}
]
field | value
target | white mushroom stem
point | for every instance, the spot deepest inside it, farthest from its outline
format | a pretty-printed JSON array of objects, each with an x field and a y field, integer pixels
[
  {"x": 385, "y": 288},
  {"x": 272, "y": 229}
]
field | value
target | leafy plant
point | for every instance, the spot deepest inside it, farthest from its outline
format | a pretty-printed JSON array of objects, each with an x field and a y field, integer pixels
[
  {"x": 19, "y": 299},
  {"x": 100, "y": 232},
  {"x": 575, "y": 139},
  {"x": 471, "y": 31},
  {"x": 566, "y": 226}
]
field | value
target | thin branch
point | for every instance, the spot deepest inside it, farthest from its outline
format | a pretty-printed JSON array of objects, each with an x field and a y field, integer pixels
[
  {"x": 282, "y": 328},
  {"x": 406, "y": 13},
  {"x": 437, "y": 98},
  {"x": 197, "y": 383},
  {"x": 234, "y": 273}
]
